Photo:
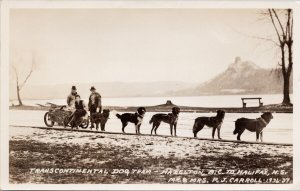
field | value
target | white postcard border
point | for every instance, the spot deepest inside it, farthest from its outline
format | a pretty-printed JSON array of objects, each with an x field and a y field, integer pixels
[{"x": 6, "y": 5}]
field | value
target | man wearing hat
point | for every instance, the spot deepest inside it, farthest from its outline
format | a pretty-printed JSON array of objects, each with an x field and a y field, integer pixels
[
  {"x": 71, "y": 97},
  {"x": 94, "y": 102}
]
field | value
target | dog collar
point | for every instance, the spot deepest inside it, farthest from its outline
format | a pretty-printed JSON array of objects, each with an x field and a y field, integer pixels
[
  {"x": 264, "y": 121},
  {"x": 141, "y": 116}
]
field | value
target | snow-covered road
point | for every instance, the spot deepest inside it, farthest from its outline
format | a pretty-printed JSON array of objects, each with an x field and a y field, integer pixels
[{"x": 279, "y": 130}]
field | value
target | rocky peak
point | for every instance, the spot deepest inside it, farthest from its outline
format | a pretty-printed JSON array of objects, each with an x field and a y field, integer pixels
[{"x": 238, "y": 65}]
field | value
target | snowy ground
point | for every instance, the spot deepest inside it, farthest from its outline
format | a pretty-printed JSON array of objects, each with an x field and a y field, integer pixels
[
  {"x": 153, "y": 145},
  {"x": 45, "y": 149},
  {"x": 279, "y": 130}
]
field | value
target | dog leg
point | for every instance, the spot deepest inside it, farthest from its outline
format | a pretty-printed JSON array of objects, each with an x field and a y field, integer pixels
[
  {"x": 197, "y": 127},
  {"x": 257, "y": 136},
  {"x": 171, "y": 129},
  {"x": 139, "y": 128},
  {"x": 240, "y": 132},
  {"x": 97, "y": 126},
  {"x": 261, "y": 136},
  {"x": 157, "y": 125},
  {"x": 92, "y": 125},
  {"x": 239, "y": 136},
  {"x": 153, "y": 126},
  {"x": 213, "y": 132},
  {"x": 219, "y": 137},
  {"x": 195, "y": 134},
  {"x": 123, "y": 126},
  {"x": 155, "y": 130},
  {"x": 136, "y": 128},
  {"x": 175, "y": 128}
]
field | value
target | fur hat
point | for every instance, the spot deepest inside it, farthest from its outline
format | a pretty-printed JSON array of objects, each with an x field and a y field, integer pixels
[
  {"x": 93, "y": 88},
  {"x": 74, "y": 88}
]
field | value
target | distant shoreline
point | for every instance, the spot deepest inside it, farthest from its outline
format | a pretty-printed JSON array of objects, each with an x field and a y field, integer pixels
[
  {"x": 278, "y": 108},
  {"x": 165, "y": 96}
]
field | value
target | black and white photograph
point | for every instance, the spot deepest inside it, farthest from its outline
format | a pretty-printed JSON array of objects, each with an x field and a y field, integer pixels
[{"x": 150, "y": 95}]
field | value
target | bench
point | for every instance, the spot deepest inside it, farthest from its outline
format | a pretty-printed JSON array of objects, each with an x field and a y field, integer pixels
[{"x": 251, "y": 98}]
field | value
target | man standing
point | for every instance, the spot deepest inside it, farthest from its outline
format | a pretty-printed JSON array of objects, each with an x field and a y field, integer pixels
[
  {"x": 94, "y": 102},
  {"x": 71, "y": 97}
]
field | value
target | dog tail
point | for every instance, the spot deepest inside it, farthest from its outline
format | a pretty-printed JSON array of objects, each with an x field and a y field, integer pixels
[
  {"x": 236, "y": 127},
  {"x": 151, "y": 120},
  {"x": 118, "y": 116},
  {"x": 195, "y": 126},
  {"x": 235, "y": 132}
]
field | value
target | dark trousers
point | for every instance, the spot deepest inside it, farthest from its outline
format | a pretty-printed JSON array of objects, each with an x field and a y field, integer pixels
[
  {"x": 79, "y": 113},
  {"x": 93, "y": 109},
  {"x": 76, "y": 116}
]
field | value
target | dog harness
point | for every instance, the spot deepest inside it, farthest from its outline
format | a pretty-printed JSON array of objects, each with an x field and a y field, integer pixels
[
  {"x": 140, "y": 118},
  {"x": 263, "y": 121}
]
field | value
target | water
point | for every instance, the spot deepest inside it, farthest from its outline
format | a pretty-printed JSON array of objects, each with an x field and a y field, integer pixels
[
  {"x": 279, "y": 130},
  {"x": 197, "y": 101}
]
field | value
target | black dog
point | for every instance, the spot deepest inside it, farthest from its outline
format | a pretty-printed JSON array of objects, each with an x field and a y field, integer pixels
[
  {"x": 253, "y": 125},
  {"x": 135, "y": 118},
  {"x": 214, "y": 122},
  {"x": 170, "y": 118},
  {"x": 100, "y": 118}
]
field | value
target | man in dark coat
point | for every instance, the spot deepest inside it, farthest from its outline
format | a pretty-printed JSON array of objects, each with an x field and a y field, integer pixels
[
  {"x": 79, "y": 112},
  {"x": 94, "y": 102},
  {"x": 71, "y": 97}
]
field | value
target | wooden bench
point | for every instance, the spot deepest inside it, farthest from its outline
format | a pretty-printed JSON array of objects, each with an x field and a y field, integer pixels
[{"x": 251, "y": 98}]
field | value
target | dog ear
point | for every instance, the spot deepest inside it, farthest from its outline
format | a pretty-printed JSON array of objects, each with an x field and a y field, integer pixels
[
  {"x": 175, "y": 108},
  {"x": 264, "y": 114},
  {"x": 270, "y": 114}
]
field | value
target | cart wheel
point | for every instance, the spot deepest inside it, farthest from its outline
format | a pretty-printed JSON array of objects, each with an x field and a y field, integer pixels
[
  {"x": 47, "y": 120},
  {"x": 67, "y": 121},
  {"x": 84, "y": 124}
]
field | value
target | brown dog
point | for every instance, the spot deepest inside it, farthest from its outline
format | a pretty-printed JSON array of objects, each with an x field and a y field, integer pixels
[
  {"x": 100, "y": 118},
  {"x": 253, "y": 125},
  {"x": 170, "y": 118},
  {"x": 214, "y": 122}
]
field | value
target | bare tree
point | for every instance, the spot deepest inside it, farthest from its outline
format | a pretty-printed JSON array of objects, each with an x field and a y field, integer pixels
[
  {"x": 283, "y": 27},
  {"x": 21, "y": 84}
]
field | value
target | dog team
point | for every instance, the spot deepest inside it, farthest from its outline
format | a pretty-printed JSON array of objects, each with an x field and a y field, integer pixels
[{"x": 98, "y": 118}]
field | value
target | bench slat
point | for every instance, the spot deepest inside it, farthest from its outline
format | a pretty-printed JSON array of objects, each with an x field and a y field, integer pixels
[{"x": 252, "y": 98}]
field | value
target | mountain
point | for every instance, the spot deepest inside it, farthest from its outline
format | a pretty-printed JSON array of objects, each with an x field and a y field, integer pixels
[
  {"x": 241, "y": 77},
  {"x": 106, "y": 89}
]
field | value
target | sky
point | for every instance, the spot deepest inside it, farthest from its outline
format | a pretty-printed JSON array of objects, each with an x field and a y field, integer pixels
[{"x": 135, "y": 45}]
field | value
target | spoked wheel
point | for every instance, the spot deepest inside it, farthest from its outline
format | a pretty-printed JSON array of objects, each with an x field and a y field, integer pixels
[
  {"x": 67, "y": 121},
  {"x": 47, "y": 119},
  {"x": 84, "y": 123}
]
